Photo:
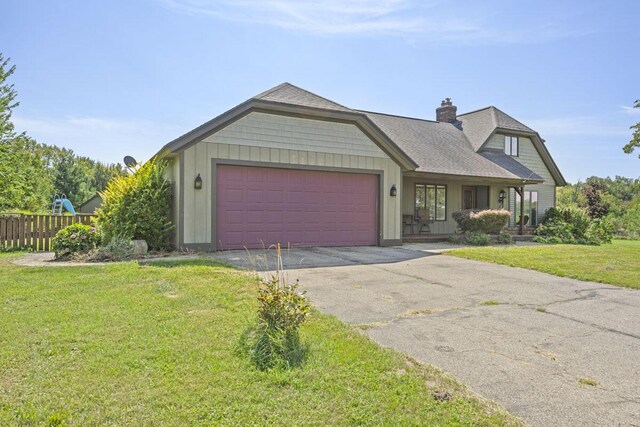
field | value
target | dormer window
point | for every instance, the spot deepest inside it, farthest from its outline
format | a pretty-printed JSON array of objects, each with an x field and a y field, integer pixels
[{"x": 511, "y": 145}]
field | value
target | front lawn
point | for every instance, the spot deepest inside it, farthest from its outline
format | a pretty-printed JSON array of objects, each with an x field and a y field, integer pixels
[
  {"x": 126, "y": 344},
  {"x": 616, "y": 264}
]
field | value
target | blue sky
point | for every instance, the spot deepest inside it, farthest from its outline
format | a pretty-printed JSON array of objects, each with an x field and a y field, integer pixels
[{"x": 124, "y": 77}]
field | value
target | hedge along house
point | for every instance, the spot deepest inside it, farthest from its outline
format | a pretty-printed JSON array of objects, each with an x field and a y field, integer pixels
[{"x": 290, "y": 167}]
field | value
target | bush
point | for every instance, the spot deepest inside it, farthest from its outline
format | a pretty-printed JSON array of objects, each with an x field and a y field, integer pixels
[
  {"x": 477, "y": 238},
  {"x": 74, "y": 239},
  {"x": 600, "y": 231},
  {"x": 504, "y": 238},
  {"x": 490, "y": 221},
  {"x": 547, "y": 240},
  {"x": 117, "y": 249},
  {"x": 556, "y": 228},
  {"x": 456, "y": 239},
  {"x": 573, "y": 226},
  {"x": 552, "y": 214},
  {"x": 274, "y": 342},
  {"x": 138, "y": 206}
]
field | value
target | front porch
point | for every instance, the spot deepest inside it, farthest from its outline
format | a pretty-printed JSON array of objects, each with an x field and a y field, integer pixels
[{"x": 428, "y": 202}]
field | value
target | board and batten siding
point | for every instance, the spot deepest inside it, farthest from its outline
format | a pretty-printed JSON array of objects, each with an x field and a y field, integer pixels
[
  {"x": 275, "y": 139},
  {"x": 529, "y": 157}
]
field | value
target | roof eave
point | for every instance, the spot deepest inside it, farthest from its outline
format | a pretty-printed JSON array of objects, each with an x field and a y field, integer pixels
[
  {"x": 504, "y": 180},
  {"x": 540, "y": 147}
]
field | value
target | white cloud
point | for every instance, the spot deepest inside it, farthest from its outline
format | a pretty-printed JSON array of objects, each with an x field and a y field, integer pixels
[
  {"x": 430, "y": 20},
  {"x": 631, "y": 111},
  {"x": 100, "y": 138},
  {"x": 581, "y": 125}
]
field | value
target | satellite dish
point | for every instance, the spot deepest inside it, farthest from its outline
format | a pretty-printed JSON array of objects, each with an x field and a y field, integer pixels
[{"x": 130, "y": 161}]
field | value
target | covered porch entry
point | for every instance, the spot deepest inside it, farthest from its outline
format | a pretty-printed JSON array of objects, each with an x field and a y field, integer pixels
[{"x": 428, "y": 202}]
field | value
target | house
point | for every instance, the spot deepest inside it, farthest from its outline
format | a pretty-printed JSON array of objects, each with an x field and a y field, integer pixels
[
  {"x": 292, "y": 167},
  {"x": 90, "y": 205}
]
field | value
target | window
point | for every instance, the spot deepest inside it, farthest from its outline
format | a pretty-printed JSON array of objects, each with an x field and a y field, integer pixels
[
  {"x": 434, "y": 199},
  {"x": 530, "y": 208},
  {"x": 511, "y": 145}
]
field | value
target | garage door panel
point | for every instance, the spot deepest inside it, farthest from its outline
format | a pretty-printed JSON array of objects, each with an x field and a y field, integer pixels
[{"x": 259, "y": 207}]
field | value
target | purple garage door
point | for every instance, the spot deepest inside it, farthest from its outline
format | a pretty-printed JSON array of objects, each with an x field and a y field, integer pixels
[{"x": 259, "y": 207}]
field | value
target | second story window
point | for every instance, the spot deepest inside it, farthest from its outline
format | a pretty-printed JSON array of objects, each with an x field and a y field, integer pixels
[{"x": 511, "y": 145}]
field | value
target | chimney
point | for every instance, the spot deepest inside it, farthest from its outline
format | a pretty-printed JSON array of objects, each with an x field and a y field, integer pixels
[{"x": 446, "y": 112}]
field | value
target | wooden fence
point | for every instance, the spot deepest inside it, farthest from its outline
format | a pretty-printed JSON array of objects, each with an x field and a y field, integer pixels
[{"x": 35, "y": 231}]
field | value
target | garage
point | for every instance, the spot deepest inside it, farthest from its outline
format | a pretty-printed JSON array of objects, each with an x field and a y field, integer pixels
[{"x": 261, "y": 206}]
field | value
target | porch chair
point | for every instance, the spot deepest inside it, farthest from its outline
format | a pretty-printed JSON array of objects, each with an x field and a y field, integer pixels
[
  {"x": 408, "y": 221},
  {"x": 424, "y": 221}
]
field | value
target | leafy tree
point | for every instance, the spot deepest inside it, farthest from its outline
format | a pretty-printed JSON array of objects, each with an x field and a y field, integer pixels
[
  {"x": 635, "y": 139},
  {"x": 23, "y": 181},
  {"x": 570, "y": 196},
  {"x": 31, "y": 173},
  {"x": 7, "y": 99},
  {"x": 620, "y": 195},
  {"x": 596, "y": 206}
]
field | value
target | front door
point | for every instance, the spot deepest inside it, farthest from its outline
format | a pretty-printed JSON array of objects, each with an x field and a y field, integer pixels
[{"x": 469, "y": 197}]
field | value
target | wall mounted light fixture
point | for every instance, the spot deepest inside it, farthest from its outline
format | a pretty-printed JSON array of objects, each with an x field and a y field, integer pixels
[
  {"x": 197, "y": 184},
  {"x": 394, "y": 191},
  {"x": 501, "y": 197}
]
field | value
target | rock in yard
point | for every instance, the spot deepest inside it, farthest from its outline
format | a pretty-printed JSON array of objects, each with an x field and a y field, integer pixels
[{"x": 140, "y": 247}]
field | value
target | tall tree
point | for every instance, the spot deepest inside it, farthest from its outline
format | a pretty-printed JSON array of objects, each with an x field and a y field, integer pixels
[
  {"x": 635, "y": 139},
  {"x": 31, "y": 173},
  {"x": 23, "y": 179},
  {"x": 7, "y": 99}
]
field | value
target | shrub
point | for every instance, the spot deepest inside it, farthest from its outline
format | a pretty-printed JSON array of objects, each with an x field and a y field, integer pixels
[
  {"x": 556, "y": 228},
  {"x": 573, "y": 226},
  {"x": 490, "y": 221},
  {"x": 74, "y": 239},
  {"x": 138, "y": 205},
  {"x": 504, "y": 238},
  {"x": 117, "y": 249},
  {"x": 600, "y": 231},
  {"x": 547, "y": 240},
  {"x": 456, "y": 239},
  {"x": 552, "y": 214},
  {"x": 462, "y": 218},
  {"x": 477, "y": 238},
  {"x": 274, "y": 342}
]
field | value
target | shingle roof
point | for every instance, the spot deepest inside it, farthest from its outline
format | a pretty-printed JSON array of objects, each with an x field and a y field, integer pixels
[
  {"x": 439, "y": 148},
  {"x": 507, "y": 162},
  {"x": 478, "y": 125},
  {"x": 287, "y": 93}
]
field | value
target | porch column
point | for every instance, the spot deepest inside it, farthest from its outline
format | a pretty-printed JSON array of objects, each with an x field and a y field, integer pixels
[{"x": 520, "y": 191}]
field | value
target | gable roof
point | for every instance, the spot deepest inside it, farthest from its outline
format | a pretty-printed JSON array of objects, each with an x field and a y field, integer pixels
[
  {"x": 287, "y": 93},
  {"x": 442, "y": 148},
  {"x": 291, "y": 100},
  {"x": 480, "y": 124},
  {"x": 415, "y": 144}
]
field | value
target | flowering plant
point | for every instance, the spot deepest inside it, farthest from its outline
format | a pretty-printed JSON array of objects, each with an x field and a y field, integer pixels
[{"x": 75, "y": 238}]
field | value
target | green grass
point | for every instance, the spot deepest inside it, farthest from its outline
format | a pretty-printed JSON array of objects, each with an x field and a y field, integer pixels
[
  {"x": 126, "y": 344},
  {"x": 616, "y": 264},
  {"x": 588, "y": 381}
]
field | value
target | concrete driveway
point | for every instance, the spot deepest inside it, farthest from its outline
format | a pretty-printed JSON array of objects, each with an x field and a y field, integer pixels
[{"x": 554, "y": 351}]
